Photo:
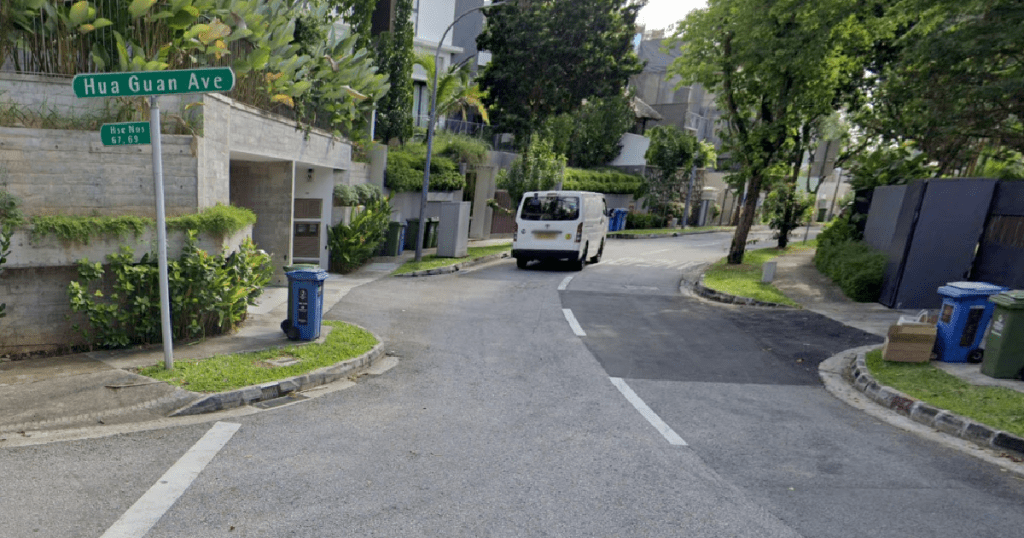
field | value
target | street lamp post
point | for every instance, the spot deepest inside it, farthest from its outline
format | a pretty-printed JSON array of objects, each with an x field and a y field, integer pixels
[
  {"x": 430, "y": 131},
  {"x": 693, "y": 170}
]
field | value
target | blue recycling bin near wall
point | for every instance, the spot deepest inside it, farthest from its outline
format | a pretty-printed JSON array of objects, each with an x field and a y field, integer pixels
[
  {"x": 305, "y": 314},
  {"x": 618, "y": 220},
  {"x": 963, "y": 318}
]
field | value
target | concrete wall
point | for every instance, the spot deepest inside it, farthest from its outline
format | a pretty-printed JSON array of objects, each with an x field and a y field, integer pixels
[
  {"x": 266, "y": 189},
  {"x": 321, "y": 186},
  {"x": 37, "y": 310},
  {"x": 35, "y": 281},
  {"x": 634, "y": 147},
  {"x": 57, "y": 172}
]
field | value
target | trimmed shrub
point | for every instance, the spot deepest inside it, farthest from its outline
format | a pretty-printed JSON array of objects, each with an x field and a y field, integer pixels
[
  {"x": 405, "y": 171},
  {"x": 604, "y": 181},
  {"x": 638, "y": 221},
  {"x": 857, "y": 268}
]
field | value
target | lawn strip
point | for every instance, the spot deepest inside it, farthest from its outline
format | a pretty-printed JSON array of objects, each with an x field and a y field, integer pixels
[
  {"x": 434, "y": 262},
  {"x": 226, "y": 372},
  {"x": 996, "y": 407}
]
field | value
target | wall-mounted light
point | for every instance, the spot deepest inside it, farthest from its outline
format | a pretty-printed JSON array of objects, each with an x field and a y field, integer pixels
[{"x": 309, "y": 175}]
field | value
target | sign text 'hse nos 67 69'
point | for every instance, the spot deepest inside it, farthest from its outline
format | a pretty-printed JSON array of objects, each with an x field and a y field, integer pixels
[{"x": 204, "y": 80}]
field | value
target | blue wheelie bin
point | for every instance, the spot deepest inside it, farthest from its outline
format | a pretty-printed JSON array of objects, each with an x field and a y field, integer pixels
[
  {"x": 305, "y": 313},
  {"x": 963, "y": 319}
]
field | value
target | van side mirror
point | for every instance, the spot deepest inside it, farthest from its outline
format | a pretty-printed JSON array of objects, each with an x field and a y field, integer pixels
[{"x": 609, "y": 212}]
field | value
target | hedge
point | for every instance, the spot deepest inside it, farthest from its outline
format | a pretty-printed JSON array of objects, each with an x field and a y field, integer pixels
[
  {"x": 857, "y": 268},
  {"x": 603, "y": 181},
  {"x": 405, "y": 172}
]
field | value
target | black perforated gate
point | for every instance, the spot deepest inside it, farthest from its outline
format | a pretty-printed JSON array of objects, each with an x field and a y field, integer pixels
[{"x": 1001, "y": 252}]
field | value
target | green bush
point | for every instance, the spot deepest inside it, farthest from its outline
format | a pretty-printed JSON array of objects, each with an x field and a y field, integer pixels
[
  {"x": 218, "y": 220},
  {"x": 603, "y": 181},
  {"x": 222, "y": 220},
  {"x": 209, "y": 294},
  {"x": 366, "y": 193},
  {"x": 857, "y": 268},
  {"x": 345, "y": 196},
  {"x": 405, "y": 171},
  {"x": 351, "y": 245},
  {"x": 638, "y": 221}
]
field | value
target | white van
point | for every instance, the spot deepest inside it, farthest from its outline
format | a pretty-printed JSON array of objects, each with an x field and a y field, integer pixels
[{"x": 560, "y": 225}]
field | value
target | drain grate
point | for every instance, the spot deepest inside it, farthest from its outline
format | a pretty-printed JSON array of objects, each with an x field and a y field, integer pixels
[
  {"x": 269, "y": 393},
  {"x": 278, "y": 402}
]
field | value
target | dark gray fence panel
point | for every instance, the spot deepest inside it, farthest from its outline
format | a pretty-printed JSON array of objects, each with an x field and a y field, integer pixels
[
  {"x": 902, "y": 234},
  {"x": 944, "y": 241},
  {"x": 885, "y": 210},
  {"x": 1001, "y": 252}
]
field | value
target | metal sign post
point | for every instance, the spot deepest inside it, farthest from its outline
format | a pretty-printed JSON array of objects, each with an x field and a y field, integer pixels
[
  {"x": 161, "y": 234},
  {"x": 151, "y": 84}
]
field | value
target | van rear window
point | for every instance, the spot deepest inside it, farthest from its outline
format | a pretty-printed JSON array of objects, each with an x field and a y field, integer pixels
[{"x": 551, "y": 208}]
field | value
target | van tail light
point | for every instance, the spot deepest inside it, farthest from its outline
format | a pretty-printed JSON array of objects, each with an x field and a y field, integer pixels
[{"x": 579, "y": 233}]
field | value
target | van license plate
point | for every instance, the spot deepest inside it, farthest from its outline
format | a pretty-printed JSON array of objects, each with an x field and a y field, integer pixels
[{"x": 545, "y": 235}]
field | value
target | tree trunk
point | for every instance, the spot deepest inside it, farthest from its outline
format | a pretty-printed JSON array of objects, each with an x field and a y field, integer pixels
[{"x": 739, "y": 239}]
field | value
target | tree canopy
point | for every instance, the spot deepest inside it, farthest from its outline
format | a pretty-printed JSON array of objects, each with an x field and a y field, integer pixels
[
  {"x": 550, "y": 55},
  {"x": 774, "y": 66}
]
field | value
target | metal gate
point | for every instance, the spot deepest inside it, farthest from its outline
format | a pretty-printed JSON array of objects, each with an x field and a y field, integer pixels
[
  {"x": 503, "y": 222},
  {"x": 1001, "y": 252},
  {"x": 935, "y": 239}
]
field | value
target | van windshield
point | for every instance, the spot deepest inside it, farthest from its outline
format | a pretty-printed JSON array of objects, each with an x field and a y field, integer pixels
[{"x": 551, "y": 208}]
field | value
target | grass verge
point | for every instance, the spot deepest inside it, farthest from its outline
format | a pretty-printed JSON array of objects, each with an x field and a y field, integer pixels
[
  {"x": 228, "y": 372},
  {"x": 680, "y": 231},
  {"x": 744, "y": 280},
  {"x": 996, "y": 407},
  {"x": 433, "y": 262}
]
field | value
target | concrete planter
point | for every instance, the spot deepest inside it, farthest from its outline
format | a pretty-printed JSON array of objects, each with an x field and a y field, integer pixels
[{"x": 51, "y": 251}]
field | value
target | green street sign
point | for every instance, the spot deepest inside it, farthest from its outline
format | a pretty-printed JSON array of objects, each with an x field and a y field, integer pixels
[
  {"x": 205, "y": 80},
  {"x": 125, "y": 134}
]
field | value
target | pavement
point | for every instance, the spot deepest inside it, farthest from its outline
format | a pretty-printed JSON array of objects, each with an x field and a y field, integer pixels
[{"x": 79, "y": 392}]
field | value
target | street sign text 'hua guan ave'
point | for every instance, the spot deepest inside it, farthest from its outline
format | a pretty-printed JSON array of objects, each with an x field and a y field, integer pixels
[{"x": 204, "y": 80}]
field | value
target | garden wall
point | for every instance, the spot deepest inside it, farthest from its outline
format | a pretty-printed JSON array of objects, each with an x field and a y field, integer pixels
[{"x": 34, "y": 284}]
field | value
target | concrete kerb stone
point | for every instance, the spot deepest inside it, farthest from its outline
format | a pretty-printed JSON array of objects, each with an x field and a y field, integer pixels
[
  {"x": 657, "y": 236},
  {"x": 448, "y": 269},
  {"x": 267, "y": 391},
  {"x": 920, "y": 412}
]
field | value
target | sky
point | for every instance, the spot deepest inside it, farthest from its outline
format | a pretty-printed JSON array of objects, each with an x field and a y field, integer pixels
[{"x": 661, "y": 13}]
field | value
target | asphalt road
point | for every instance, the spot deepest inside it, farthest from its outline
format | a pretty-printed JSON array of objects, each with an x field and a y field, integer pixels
[{"x": 498, "y": 419}]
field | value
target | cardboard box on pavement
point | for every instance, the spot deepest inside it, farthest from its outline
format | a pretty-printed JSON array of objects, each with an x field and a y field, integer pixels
[{"x": 911, "y": 339}]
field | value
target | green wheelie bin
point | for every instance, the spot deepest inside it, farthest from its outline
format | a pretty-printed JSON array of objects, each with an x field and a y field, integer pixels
[{"x": 1004, "y": 346}]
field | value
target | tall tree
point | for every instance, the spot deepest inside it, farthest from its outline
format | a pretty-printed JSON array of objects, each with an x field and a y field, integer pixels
[
  {"x": 550, "y": 55},
  {"x": 456, "y": 92},
  {"x": 953, "y": 81},
  {"x": 772, "y": 64},
  {"x": 394, "y": 56}
]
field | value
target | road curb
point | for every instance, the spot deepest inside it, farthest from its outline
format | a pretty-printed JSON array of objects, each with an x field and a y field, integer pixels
[
  {"x": 857, "y": 374},
  {"x": 714, "y": 295},
  {"x": 658, "y": 236},
  {"x": 448, "y": 269},
  {"x": 276, "y": 389}
]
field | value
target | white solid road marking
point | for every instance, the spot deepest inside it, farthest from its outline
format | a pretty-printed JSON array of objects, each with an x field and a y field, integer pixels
[
  {"x": 141, "y": 517},
  {"x": 576, "y": 329},
  {"x": 565, "y": 283},
  {"x": 647, "y": 413}
]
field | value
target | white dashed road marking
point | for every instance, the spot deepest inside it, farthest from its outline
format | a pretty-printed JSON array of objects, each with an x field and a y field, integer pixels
[
  {"x": 647, "y": 413},
  {"x": 565, "y": 283},
  {"x": 576, "y": 329},
  {"x": 146, "y": 511}
]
